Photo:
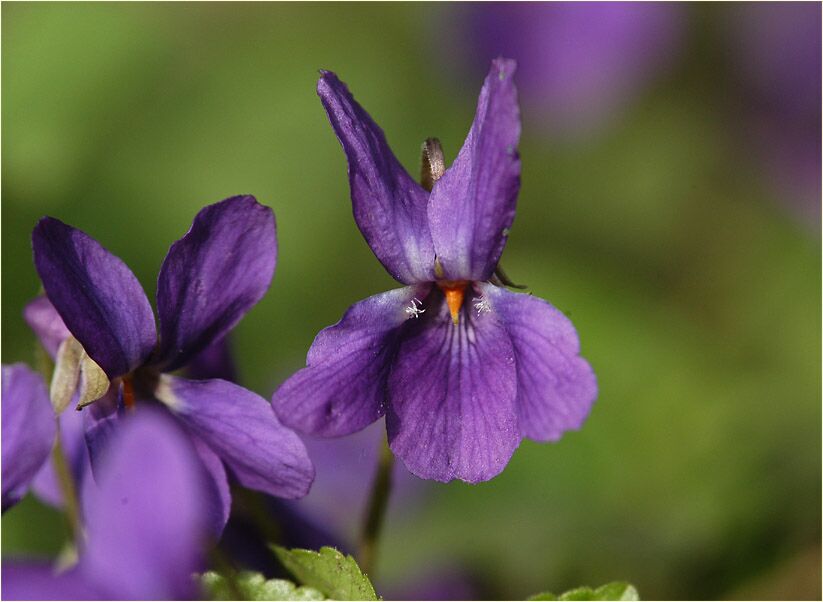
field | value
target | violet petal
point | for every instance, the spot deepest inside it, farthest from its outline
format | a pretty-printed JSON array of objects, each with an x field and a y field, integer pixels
[
  {"x": 472, "y": 206},
  {"x": 452, "y": 389},
  {"x": 28, "y": 430},
  {"x": 213, "y": 275},
  {"x": 243, "y": 430},
  {"x": 342, "y": 389},
  {"x": 46, "y": 323},
  {"x": 96, "y": 295},
  {"x": 555, "y": 386},
  {"x": 40, "y": 581},
  {"x": 389, "y": 206},
  {"x": 146, "y": 519}
]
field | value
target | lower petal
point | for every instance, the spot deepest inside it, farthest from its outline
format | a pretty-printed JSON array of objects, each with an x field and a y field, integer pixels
[
  {"x": 241, "y": 427},
  {"x": 40, "y": 581},
  {"x": 451, "y": 397},
  {"x": 342, "y": 389},
  {"x": 219, "y": 498},
  {"x": 556, "y": 387}
]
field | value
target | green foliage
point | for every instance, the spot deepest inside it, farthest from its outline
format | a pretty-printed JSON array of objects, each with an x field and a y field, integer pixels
[
  {"x": 253, "y": 586},
  {"x": 334, "y": 574},
  {"x": 617, "y": 590}
]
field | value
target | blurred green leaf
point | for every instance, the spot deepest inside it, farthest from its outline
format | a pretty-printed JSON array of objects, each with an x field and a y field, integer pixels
[
  {"x": 333, "y": 573},
  {"x": 617, "y": 590},
  {"x": 253, "y": 586}
]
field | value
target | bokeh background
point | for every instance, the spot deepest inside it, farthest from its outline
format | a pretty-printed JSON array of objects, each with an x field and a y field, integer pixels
[{"x": 670, "y": 205}]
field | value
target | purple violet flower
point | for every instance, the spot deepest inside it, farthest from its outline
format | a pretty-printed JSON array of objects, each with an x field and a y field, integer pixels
[
  {"x": 581, "y": 63},
  {"x": 462, "y": 369},
  {"x": 146, "y": 523},
  {"x": 209, "y": 279},
  {"x": 28, "y": 427}
]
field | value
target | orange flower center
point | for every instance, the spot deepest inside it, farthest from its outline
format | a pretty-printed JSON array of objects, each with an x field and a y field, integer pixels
[{"x": 454, "y": 291}]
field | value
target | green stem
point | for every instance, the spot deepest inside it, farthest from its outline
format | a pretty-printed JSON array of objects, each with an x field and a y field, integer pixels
[
  {"x": 67, "y": 488},
  {"x": 378, "y": 502}
]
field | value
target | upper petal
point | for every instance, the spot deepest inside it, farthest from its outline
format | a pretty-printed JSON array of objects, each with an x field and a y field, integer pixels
[
  {"x": 242, "y": 428},
  {"x": 389, "y": 206},
  {"x": 472, "y": 205},
  {"x": 452, "y": 388},
  {"x": 96, "y": 295},
  {"x": 28, "y": 429},
  {"x": 46, "y": 323},
  {"x": 342, "y": 389},
  {"x": 555, "y": 386},
  {"x": 146, "y": 519},
  {"x": 213, "y": 275}
]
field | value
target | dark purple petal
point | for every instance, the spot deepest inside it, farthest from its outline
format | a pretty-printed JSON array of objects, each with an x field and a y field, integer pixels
[
  {"x": 389, "y": 206},
  {"x": 242, "y": 429},
  {"x": 28, "y": 429},
  {"x": 215, "y": 361},
  {"x": 146, "y": 520},
  {"x": 45, "y": 485},
  {"x": 472, "y": 205},
  {"x": 46, "y": 323},
  {"x": 213, "y": 275},
  {"x": 99, "y": 299},
  {"x": 219, "y": 497},
  {"x": 342, "y": 389},
  {"x": 555, "y": 386},
  {"x": 452, "y": 389},
  {"x": 40, "y": 581}
]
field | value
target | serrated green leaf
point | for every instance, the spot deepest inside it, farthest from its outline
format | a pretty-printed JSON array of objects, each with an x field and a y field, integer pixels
[
  {"x": 336, "y": 575},
  {"x": 254, "y": 586},
  {"x": 617, "y": 590}
]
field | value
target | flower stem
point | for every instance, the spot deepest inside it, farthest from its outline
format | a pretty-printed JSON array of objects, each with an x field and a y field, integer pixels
[
  {"x": 378, "y": 502},
  {"x": 67, "y": 488}
]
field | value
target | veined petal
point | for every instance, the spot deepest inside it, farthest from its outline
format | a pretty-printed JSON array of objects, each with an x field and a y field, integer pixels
[
  {"x": 452, "y": 389},
  {"x": 389, "y": 206},
  {"x": 146, "y": 520},
  {"x": 40, "y": 581},
  {"x": 96, "y": 295},
  {"x": 213, "y": 275},
  {"x": 472, "y": 206},
  {"x": 46, "y": 323},
  {"x": 555, "y": 386},
  {"x": 342, "y": 389},
  {"x": 28, "y": 429},
  {"x": 243, "y": 430}
]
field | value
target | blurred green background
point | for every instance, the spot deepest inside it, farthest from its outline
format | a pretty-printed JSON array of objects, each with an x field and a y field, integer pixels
[{"x": 695, "y": 292}]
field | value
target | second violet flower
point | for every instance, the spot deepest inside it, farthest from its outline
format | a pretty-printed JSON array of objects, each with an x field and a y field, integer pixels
[{"x": 462, "y": 368}]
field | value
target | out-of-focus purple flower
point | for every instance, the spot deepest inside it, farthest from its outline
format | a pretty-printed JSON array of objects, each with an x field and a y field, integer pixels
[
  {"x": 463, "y": 369},
  {"x": 775, "y": 49},
  {"x": 146, "y": 523},
  {"x": 209, "y": 280},
  {"x": 580, "y": 63},
  {"x": 28, "y": 430}
]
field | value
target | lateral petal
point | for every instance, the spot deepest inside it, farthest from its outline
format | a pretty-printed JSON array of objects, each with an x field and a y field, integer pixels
[
  {"x": 555, "y": 386},
  {"x": 243, "y": 430},
  {"x": 342, "y": 389}
]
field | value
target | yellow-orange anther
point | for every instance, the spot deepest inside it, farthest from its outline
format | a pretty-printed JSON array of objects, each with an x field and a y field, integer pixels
[{"x": 454, "y": 291}]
